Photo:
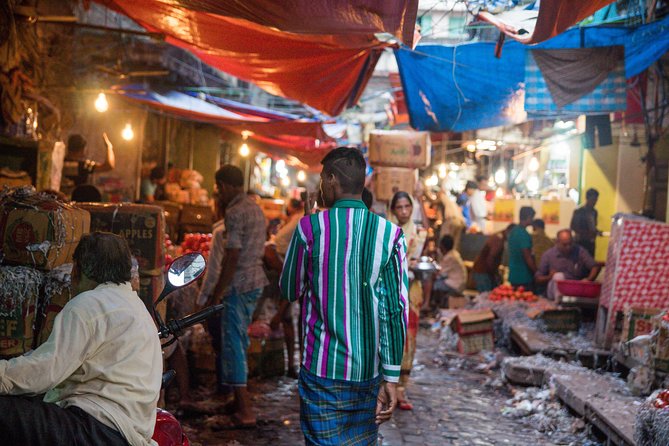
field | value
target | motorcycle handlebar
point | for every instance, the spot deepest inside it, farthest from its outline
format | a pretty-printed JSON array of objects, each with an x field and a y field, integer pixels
[{"x": 175, "y": 327}]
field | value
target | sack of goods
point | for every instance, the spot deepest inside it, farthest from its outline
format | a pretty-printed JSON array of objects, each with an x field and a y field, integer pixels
[
  {"x": 38, "y": 230},
  {"x": 19, "y": 294}
]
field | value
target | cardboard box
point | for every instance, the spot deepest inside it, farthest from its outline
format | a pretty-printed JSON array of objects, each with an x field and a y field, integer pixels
[
  {"x": 194, "y": 214},
  {"x": 661, "y": 344},
  {"x": 474, "y": 322},
  {"x": 637, "y": 322},
  {"x": 142, "y": 225},
  {"x": 172, "y": 213},
  {"x": 49, "y": 309},
  {"x": 456, "y": 302},
  {"x": 19, "y": 293},
  {"x": 399, "y": 148},
  {"x": 388, "y": 180},
  {"x": 562, "y": 319},
  {"x": 39, "y": 231},
  {"x": 475, "y": 343}
]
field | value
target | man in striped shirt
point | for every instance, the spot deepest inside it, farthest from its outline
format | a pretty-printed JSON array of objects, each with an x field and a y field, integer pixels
[{"x": 348, "y": 267}]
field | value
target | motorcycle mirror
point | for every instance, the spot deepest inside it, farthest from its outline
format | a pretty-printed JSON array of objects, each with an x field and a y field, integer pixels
[{"x": 183, "y": 271}]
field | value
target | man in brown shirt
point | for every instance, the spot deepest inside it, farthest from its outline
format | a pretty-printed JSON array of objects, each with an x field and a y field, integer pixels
[{"x": 486, "y": 265}]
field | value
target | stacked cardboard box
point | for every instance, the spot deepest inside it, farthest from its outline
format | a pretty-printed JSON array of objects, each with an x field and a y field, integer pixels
[
  {"x": 396, "y": 156},
  {"x": 475, "y": 331}
]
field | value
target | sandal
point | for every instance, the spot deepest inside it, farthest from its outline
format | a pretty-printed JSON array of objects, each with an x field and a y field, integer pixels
[{"x": 404, "y": 405}]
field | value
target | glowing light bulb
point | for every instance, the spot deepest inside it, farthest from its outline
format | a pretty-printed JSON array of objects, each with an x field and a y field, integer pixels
[
  {"x": 101, "y": 103},
  {"x": 244, "y": 150},
  {"x": 127, "y": 132},
  {"x": 442, "y": 171},
  {"x": 534, "y": 164},
  {"x": 301, "y": 176},
  {"x": 285, "y": 181},
  {"x": 500, "y": 176},
  {"x": 533, "y": 183}
]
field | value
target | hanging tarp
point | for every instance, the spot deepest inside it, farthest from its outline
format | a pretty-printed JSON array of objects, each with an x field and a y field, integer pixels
[
  {"x": 325, "y": 69},
  {"x": 303, "y": 139},
  {"x": 452, "y": 88},
  {"x": 529, "y": 24}
]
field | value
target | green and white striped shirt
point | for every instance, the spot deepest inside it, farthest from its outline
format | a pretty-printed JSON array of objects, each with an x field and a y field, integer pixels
[{"x": 349, "y": 269}]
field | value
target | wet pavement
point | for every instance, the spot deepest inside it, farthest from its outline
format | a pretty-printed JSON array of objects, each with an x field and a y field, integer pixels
[{"x": 457, "y": 401}]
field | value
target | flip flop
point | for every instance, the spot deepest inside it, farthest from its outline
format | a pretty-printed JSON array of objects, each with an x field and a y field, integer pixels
[{"x": 405, "y": 405}]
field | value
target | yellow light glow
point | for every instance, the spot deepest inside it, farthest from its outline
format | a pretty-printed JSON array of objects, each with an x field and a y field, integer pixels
[
  {"x": 500, "y": 176},
  {"x": 244, "y": 150},
  {"x": 499, "y": 193},
  {"x": 101, "y": 103},
  {"x": 534, "y": 164},
  {"x": 301, "y": 176},
  {"x": 127, "y": 132},
  {"x": 442, "y": 171},
  {"x": 285, "y": 181}
]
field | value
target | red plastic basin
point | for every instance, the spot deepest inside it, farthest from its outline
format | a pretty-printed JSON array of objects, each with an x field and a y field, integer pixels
[{"x": 579, "y": 288}]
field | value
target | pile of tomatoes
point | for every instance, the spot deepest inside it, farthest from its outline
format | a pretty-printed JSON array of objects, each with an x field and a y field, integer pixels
[
  {"x": 662, "y": 400},
  {"x": 197, "y": 242},
  {"x": 506, "y": 292}
]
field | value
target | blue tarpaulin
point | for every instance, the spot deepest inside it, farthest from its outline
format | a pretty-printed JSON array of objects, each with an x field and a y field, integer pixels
[{"x": 464, "y": 87}]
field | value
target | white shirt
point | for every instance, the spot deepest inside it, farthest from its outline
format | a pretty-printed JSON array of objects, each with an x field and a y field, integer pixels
[
  {"x": 453, "y": 270},
  {"x": 102, "y": 356},
  {"x": 216, "y": 254},
  {"x": 479, "y": 209}
]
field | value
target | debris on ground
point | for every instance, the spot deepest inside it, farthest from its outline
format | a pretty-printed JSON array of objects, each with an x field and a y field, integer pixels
[{"x": 652, "y": 422}]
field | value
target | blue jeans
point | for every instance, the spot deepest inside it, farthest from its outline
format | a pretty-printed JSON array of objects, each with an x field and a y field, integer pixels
[{"x": 235, "y": 319}]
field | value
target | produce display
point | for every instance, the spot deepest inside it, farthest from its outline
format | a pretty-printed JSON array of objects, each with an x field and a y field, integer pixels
[
  {"x": 662, "y": 400},
  {"x": 506, "y": 292},
  {"x": 197, "y": 242}
]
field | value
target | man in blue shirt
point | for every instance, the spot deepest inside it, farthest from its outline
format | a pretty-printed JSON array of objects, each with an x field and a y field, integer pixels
[{"x": 521, "y": 260}]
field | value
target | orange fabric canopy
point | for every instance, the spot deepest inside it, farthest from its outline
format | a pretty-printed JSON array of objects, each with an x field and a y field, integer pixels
[{"x": 318, "y": 52}]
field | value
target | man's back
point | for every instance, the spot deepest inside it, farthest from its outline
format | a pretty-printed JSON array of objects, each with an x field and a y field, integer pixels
[
  {"x": 519, "y": 272},
  {"x": 349, "y": 268}
]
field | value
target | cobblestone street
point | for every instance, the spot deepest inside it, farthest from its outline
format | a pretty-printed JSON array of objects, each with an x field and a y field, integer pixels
[{"x": 456, "y": 402}]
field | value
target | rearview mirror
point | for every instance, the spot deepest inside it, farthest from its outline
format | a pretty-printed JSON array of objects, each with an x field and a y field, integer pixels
[{"x": 186, "y": 269}]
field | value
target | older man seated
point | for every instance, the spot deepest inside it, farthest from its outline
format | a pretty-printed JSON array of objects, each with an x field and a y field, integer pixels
[{"x": 566, "y": 260}]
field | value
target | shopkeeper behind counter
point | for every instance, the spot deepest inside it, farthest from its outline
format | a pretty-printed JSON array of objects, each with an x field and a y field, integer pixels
[{"x": 77, "y": 167}]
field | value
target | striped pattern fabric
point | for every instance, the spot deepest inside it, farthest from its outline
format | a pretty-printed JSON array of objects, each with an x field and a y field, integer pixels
[
  {"x": 349, "y": 268},
  {"x": 335, "y": 412}
]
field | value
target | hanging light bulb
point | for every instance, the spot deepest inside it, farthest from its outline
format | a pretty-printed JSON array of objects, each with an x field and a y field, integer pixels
[
  {"x": 533, "y": 183},
  {"x": 301, "y": 176},
  {"x": 499, "y": 193},
  {"x": 101, "y": 103},
  {"x": 534, "y": 164},
  {"x": 244, "y": 150},
  {"x": 285, "y": 181},
  {"x": 127, "y": 132},
  {"x": 500, "y": 176}
]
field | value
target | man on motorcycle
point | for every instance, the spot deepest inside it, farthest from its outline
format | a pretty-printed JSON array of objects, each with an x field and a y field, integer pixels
[{"x": 101, "y": 367}]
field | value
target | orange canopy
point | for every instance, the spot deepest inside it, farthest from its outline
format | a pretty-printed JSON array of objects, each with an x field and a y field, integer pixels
[{"x": 318, "y": 52}]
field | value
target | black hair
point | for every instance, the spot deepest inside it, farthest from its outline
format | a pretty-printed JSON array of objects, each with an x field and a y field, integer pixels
[
  {"x": 295, "y": 203},
  {"x": 446, "y": 243},
  {"x": 591, "y": 193},
  {"x": 76, "y": 143},
  {"x": 399, "y": 195},
  {"x": 367, "y": 198},
  {"x": 538, "y": 223},
  {"x": 157, "y": 173},
  {"x": 526, "y": 212},
  {"x": 480, "y": 178},
  {"x": 510, "y": 227},
  {"x": 347, "y": 165},
  {"x": 471, "y": 185},
  {"x": 86, "y": 193},
  {"x": 230, "y": 175},
  {"x": 103, "y": 257}
]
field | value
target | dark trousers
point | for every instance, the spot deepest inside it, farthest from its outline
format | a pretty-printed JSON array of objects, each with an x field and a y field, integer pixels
[{"x": 30, "y": 422}]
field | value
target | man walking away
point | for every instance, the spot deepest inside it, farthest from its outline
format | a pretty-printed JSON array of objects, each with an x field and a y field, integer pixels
[
  {"x": 348, "y": 266},
  {"x": 521, "y": 262},
  {"x": 584, "y": 222},
  {"x": 240, "y": 284},
  {"x": 486, "y": 265}
]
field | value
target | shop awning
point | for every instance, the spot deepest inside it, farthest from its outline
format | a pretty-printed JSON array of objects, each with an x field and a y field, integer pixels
[
  {"x": 449, "y": 88},
  {"x": 539, "y": 21},
  {"x": 304, "y": 139},
  {"x": 317, "y": 52}
]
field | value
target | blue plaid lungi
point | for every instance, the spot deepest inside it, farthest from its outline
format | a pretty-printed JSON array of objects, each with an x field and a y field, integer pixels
[{"x": 336, "y": 412}]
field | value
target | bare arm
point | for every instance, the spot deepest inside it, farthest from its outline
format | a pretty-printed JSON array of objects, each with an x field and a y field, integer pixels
[
  {"x": 529, "y": 260},
  {"x": 110, "y": 161},
  {"x": 594, "y": 272},
  {"x": 228, "y": 269}
]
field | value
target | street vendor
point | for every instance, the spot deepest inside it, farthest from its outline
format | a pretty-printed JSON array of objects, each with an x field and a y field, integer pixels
[{"x": 565, "y": 261}]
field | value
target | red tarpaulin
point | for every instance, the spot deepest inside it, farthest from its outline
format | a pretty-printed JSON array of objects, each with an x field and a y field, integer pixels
[
  {"x": 553, "y": 17},
  {"x": 324, "y": 61}
]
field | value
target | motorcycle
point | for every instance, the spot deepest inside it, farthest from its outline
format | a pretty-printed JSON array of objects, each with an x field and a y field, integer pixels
[{"x": 182, "y": 271}]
